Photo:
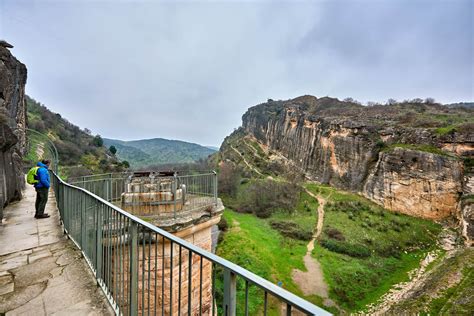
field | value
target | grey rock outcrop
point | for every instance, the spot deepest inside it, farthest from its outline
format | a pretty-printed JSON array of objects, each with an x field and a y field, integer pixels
[{"x": 12, "y": 125}]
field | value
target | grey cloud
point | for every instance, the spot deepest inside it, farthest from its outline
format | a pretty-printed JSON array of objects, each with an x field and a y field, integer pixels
[{"x": 189, "y": 70}]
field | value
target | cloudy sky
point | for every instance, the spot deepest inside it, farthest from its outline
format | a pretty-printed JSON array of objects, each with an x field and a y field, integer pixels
[{"x": 188, "y": 70}]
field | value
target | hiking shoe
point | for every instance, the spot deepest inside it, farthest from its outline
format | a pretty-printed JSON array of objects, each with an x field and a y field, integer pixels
[{"x": 45, "y": 215}]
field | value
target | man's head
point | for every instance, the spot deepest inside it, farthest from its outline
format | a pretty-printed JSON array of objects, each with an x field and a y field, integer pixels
[{"x": 46, "y": 162}]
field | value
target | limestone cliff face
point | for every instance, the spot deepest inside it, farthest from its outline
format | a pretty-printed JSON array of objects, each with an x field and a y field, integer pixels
[
  {"x": 416, "y": 183},
  {"x": 337, "y": 152},
  {"x": 12, "y": 124},
  {"x": 393, "y": 155}
]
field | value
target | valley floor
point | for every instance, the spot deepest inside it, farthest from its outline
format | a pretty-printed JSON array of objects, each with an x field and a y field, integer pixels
[{"x": 372, "y": 260}]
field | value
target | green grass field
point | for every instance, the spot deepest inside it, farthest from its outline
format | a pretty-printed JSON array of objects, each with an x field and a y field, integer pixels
[
  {"x": 377, "y": 248},
  {"x": 254, "y": 245},
  {"x": 363, "y": 250}
]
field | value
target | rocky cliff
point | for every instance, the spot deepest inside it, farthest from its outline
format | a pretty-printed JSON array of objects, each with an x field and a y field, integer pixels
[
  {"x": 409, "y": 157},
  {"x": 12, "y": 125}
]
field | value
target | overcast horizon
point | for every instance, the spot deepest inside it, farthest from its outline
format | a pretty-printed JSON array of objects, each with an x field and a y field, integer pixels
[{"x": 189, "y": 70}]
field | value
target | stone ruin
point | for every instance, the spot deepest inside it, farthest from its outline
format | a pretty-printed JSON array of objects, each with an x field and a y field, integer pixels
[{"x": 153, "y": 194}]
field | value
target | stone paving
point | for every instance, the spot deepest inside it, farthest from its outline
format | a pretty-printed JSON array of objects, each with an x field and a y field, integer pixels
[{"x": 41, "y": 271}]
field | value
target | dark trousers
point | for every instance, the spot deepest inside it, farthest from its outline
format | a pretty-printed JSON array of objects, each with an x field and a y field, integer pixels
[{"x": 41, "y": 199}]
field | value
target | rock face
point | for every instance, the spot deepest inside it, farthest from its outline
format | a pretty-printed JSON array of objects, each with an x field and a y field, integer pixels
[
  {"x": 416, "y": 183},
  {"x": 12, "y": 125},
  {"x": 399, "y": 156}
]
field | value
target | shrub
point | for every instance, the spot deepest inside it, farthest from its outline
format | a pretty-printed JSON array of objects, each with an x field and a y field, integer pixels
[
  {"x": 380, "y": 144},
  {"x": 263, "y": 197},
  {"x": 263, "y": 212},
  {"x": 390, "y": 250},
  {"x": 229, "y": 178},
  {"x": 78, "y": 171},
  {"x": 223, "y": 225},
  {"x": 244, "y": 180},
  {"x": 291, "y": 230},
  {"x": 334, "y": 233},
  {"x": 468, "y": 163},
  {"x": 353, "y": 250},
  {"x": 97, "y": 141},
  {"x": 465, "y": 128},
  {"x": 113, "y": 150}
]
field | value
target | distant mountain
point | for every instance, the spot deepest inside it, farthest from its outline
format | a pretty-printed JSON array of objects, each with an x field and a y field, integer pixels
[
  {"x": 147, "y": 152},
  {"x": 213, "y": 148}
]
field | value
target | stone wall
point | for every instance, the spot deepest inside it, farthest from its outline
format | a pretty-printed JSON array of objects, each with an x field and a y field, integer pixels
[{"x": 12, "y": 125}]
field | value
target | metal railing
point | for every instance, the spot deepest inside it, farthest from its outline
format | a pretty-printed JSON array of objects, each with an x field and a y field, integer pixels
[
  {"x": 108, "y": 186},
  {"x": 143, "y": 269},
  {"x": 186, "y": 193}
]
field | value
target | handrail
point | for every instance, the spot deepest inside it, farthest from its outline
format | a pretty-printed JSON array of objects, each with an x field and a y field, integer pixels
[
  {"x": 290, "y": 299},
  {"x": 82, "y": 178}
]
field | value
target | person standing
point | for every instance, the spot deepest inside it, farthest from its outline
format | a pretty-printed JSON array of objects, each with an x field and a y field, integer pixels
[{"x": 42, "y": 188}]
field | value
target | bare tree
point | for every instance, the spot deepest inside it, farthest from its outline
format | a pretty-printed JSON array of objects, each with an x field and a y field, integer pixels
[
  {"x": 430, "y": 101},
  {"x": 391, "y": 102},
  {"x": 229, "y": 178}
]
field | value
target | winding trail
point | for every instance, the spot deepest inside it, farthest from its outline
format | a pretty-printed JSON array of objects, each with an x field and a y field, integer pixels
[
  {"x": 246, "y": 162},
  {"x": 319, "y": 226},
  {"x": 311, "y": 282}
]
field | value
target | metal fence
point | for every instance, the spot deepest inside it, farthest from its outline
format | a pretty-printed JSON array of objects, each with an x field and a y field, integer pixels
[
  {"x": 108, "y": 186},
  {"x": 175, "y": 195},
  {"x": 145, "y": 270}
]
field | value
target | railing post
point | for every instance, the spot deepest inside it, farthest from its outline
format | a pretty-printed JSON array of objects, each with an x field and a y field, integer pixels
[
  {"x": 63, "y": 197},
  {"x": 83, "y": 222},
  {"x": 215, "y": 187},
  {"x": 105, "y": 190},
  {"x": 133, "y": 288},
  {"x": 230, "y": 292},
  {"x": 99, "y": 242},
  {"x": 59, "y": 199},
  {"x": 175, "y": 187},
  {"x": 110, "y": 191}
]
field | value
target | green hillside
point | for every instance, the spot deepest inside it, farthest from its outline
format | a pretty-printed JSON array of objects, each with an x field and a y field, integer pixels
[
  {"x": 80, "y": 153},
  {"x": 156, "y": 151}
]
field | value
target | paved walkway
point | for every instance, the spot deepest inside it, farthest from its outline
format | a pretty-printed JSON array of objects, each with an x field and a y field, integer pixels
[{"x": 41, "y": 271}]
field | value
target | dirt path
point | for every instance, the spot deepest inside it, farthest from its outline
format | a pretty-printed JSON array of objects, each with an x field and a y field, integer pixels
[
  {"x": 319, "y": 226},
  {"x": 246, "y": 162},
  {"x": 312, "y": 281}
]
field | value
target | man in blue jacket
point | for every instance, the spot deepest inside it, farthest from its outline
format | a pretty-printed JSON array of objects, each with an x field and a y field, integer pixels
[{"x": 42, "y": 188}]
